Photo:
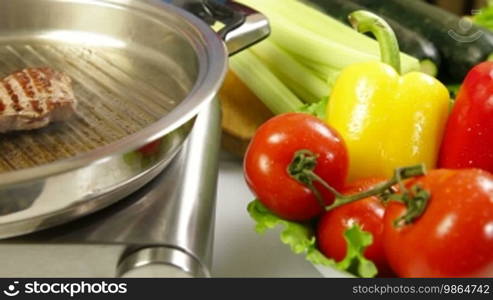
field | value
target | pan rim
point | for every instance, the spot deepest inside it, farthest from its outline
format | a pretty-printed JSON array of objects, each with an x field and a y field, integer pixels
[{"x": 212, "y": 61}]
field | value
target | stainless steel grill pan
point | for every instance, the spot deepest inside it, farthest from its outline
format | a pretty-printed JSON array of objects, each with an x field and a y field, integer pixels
[{"x": 141, "y": 70}]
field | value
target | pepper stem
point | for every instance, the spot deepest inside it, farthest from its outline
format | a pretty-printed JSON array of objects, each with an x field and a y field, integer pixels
[
  {"x": 365, "y": 21},
  {"x": 302, "y": 168}
]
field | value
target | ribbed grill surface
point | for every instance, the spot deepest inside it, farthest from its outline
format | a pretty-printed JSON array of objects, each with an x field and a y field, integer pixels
[{"x": 118, "y": 94}]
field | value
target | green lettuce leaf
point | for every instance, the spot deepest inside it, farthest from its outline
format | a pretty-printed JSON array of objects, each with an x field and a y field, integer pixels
[
  {"x": 301, "y": 239},
  {"x": 317, "y": 109},
  {"x": 453, "y": 89},
  {"x": 354, "y": 262},
  {"x": 485, "y": 16}
]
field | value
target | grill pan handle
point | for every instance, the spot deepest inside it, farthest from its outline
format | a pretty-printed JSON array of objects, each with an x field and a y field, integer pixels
[{"x": 243, "y": 26}]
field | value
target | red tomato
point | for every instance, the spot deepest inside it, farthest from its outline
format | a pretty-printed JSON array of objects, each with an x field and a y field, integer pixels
[
  {"x": 454, "y": 236},
  {"x": 368, "y": 213},
  {"x": 151, "y": 148},
  {"x": 271, "y": 151}
]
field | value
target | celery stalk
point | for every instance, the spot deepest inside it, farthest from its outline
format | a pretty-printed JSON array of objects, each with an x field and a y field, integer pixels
[
  {"x": 323, "y": 71},
  {"x": 309, "y": 45},
  {"x": 263, "y": 83},
  {"x": 300, "y": 79},
  {"x": 303, "y": 30}
]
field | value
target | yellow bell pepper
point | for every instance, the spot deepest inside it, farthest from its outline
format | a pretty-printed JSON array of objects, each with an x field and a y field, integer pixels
[{"x": 387, "y": 120}]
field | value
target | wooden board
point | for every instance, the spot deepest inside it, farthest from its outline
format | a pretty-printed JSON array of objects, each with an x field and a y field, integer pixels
[{"x": 242, "y": 114}]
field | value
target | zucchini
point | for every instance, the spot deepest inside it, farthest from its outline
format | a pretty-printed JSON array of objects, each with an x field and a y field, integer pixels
[
  {"x": 409, "y": 41},
  {"x": 462, "y": 44}
]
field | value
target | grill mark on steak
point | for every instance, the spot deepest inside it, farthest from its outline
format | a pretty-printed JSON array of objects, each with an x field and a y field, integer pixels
[
  {"x": 24, "y": 81},
  {"x": 42, "y": 84},
  {"x": 36, "y": 107},
  {"x": 4, "y": 99},
  {"x": 15, "y": 99}
]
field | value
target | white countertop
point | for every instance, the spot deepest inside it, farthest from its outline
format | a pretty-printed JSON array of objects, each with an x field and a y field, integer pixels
[{"x": 238, "y": 250}]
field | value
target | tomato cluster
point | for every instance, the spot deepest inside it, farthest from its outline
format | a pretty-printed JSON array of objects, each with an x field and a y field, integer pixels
[{"x": 452, "y": 237}]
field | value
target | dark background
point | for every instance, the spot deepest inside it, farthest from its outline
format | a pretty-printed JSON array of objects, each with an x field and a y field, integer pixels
[{"x": 461, "y": 7}]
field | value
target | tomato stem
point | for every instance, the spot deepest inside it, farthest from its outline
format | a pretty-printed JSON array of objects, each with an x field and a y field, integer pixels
[
  {"x": 400, "y": 174},
  {"x": 302, "y": 169},
  {"x": 415, "y": 201}
]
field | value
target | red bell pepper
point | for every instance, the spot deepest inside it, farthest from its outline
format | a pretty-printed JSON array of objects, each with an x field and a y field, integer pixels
[{"x": 468, "y": 140}]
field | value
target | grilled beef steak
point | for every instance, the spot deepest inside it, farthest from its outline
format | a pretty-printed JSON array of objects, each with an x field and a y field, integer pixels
[{"x": 34, "y": 97}]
